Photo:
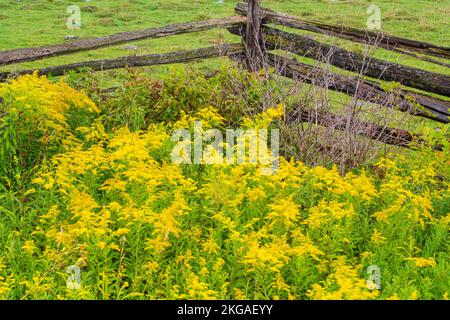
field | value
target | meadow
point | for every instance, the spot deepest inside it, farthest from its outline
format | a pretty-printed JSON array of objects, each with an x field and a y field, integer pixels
[
  {"x": 33, "y": 23},
  {"x": 93, "y": 207}
]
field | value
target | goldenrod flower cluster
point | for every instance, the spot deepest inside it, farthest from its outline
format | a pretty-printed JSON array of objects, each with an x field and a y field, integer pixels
[{"x": 141, "y": 227}]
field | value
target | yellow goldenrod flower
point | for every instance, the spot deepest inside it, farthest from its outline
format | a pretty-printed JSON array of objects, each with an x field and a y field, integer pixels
[
  {"x": 422, "y": 262},
  {"x": 29, "y": 247},
  {"x": 377, "y": 238}
]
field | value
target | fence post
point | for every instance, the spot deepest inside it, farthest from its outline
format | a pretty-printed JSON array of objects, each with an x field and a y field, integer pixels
[{"x": 254, "y": 53}]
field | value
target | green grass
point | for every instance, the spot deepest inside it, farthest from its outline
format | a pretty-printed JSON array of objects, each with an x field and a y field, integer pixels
[{"x": 38, "y": 22}]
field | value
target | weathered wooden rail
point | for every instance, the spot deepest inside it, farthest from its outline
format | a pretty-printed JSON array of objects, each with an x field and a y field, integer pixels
[
  {"x": 355, "y": 62},
  {"x": 385, "y": 41},
  {"x": 365, "y": 90},
  {"x": 137, "y": 61},
  {"x": 392, "y": 136},
  {"x": 258, "y": 39},
  {"x": 32, "y": 54}
]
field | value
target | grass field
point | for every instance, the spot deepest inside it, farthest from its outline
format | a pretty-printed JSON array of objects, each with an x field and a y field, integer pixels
[{"x": 32, "y": 23}]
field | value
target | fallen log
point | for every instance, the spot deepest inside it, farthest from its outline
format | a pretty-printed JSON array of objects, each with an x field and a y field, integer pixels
[
  {"x": 136, "y": 61},
  {"x": 384, "y": 134},
  {"x": 352, "y": 86},
  {"x": 355, "y": 62},
  {"x": 383, "y": 40},
  {"x": 32, "y": 54}
]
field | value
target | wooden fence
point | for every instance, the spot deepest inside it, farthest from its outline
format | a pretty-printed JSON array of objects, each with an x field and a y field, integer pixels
[{"x": 259, "y": 39}]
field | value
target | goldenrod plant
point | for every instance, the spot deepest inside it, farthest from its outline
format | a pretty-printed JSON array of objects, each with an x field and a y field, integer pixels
[{"x": 94, "y": 213}]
